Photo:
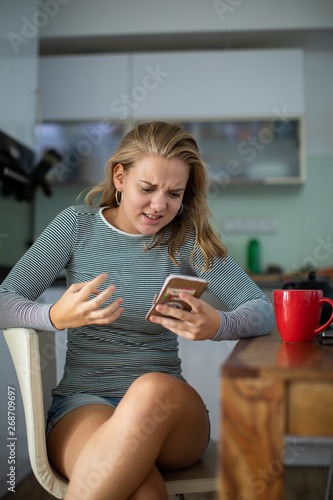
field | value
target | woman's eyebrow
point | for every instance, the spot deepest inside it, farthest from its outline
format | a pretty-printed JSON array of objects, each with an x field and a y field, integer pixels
[{"x": 155, "y": 185}]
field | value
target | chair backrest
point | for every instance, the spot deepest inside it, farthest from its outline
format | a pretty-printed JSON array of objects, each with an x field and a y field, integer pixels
[{"x": 23, "y": 344}]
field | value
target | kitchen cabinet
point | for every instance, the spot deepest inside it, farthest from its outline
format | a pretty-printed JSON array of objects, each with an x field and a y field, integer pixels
[
  {"x": 247, "y": 151},
  {"x": 83, "y": 87},
  {"x": 173, "y": 85},
  {"x": 244, "y": 107},
  {"x": 252, "y": 151},
  {"x": 218, "y": 84}
]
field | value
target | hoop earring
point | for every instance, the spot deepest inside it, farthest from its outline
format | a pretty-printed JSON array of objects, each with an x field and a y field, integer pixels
[
  {"x": 180, "y": 210},
  {"x": 117, "y": 197}
]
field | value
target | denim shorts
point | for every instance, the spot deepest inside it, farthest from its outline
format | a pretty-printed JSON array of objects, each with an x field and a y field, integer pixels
[{"x": 61, "y": 405}]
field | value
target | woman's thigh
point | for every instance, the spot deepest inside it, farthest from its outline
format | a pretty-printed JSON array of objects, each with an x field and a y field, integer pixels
[{"x": 68, "y": 437}]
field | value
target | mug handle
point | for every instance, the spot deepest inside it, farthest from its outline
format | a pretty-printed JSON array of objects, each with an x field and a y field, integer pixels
[{"x": 322, "y": 327}]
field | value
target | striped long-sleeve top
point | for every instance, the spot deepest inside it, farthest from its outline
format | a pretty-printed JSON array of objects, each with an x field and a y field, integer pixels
[{"x": 106, "y": 359}]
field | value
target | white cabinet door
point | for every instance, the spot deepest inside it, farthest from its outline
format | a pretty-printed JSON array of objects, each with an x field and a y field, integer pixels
[
  {"x": 217, "y": 84},
  {"x": 82, "y": 87},
  {"x": 173, "y": 85}
]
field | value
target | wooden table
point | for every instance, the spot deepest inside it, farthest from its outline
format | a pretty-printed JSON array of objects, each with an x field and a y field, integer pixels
[{"x": 270, "y": 389}]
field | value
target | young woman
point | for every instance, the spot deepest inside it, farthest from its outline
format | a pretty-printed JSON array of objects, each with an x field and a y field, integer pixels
[{"x": 123, "y": 411}]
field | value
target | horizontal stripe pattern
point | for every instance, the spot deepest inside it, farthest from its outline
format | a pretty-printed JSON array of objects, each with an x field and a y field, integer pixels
[{"x": 104, "y": 360}]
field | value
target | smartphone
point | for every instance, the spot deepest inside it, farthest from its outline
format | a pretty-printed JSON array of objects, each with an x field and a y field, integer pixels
[{"x": 173, "y": 285}]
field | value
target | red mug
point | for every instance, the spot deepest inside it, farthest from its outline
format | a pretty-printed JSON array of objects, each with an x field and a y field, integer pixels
[{"x": 297, "y": 314}]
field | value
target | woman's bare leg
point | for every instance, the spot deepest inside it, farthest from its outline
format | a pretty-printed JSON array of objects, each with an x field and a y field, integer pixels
[
  {"x": 71, "y": 433},
  {"x": 160, "y": 420}
]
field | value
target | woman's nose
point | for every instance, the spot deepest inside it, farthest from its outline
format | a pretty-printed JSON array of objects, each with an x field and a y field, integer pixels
[{"x": 158, "y": 202}]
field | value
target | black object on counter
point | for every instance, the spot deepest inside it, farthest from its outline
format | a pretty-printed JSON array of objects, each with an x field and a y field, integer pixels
[{"x": 313, "y": 284}]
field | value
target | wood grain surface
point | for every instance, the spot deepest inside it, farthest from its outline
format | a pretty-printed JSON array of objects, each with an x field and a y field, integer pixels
[{"x": 253, "y": 424}]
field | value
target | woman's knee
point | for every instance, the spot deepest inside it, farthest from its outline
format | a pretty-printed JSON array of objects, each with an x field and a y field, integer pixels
[
  {"x": 161, "y": 394},
  {"x": 155, "y": 380},
  {"x": 158, "y": 385}
]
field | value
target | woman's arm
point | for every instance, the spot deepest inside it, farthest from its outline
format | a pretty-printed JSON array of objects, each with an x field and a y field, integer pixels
[
  {"x": 250, "y": 312},
  {"x": 253, "y": 318},
  {"x": 34, "y": 272}
]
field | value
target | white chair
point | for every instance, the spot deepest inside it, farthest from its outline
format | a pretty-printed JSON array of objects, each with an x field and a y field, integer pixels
[{"x": 23, "y": 344}]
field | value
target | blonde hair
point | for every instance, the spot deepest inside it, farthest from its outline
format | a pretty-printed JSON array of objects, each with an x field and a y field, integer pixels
[{"x": 169, "y": 141}]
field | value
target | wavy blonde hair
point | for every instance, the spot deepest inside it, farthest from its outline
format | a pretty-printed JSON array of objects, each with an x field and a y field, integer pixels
[{"x": 169, "y": 141}]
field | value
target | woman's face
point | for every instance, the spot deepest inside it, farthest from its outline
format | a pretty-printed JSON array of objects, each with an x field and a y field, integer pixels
[{"x": 153, "y": 191}]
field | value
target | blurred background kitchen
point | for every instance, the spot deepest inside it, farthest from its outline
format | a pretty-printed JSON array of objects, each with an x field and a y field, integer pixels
[{"x": 252, "y": 80}]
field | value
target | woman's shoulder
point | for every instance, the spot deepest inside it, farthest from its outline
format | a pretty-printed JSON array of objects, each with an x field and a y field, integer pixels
[
  {"x": 79, "y": 211},
  {"x": 84, "y": 209},
  {"x": 75, "y": 216}
]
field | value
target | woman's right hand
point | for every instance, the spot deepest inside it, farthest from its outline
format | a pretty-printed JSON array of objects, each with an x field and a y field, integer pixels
[{"x": 74, "y": 308}]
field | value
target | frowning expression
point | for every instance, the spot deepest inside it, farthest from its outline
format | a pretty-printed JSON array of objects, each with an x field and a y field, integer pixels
[{"x": 153, "y": 191}]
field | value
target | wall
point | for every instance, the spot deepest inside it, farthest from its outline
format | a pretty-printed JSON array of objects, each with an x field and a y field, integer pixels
[
  {"x": 303, "y": 215},
  {"x": 18, "y": 84},
  {"x": 19, "y": 65},
  {"x": 18, "y": 105}
]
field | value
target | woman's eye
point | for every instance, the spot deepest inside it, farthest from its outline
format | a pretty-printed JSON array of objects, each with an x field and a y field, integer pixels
[
  {"x": 146, "y": 190},
  {"x": 175, "y": 195}
]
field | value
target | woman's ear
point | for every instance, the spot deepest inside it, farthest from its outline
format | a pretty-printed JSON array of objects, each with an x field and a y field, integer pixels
[{"x": 118, "y": 176}]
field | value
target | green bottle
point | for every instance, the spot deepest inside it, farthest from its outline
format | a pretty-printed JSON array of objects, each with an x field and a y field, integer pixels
[{"x": 253, "y": 256}]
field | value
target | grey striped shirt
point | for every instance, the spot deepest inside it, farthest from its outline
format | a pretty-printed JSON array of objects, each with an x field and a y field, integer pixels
[{"x": 105, "y": 359}]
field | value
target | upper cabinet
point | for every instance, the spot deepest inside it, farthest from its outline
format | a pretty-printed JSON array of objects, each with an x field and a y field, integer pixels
[
  {"x": 252, "y": 151},
  {"x": 245, "y": 108},
  {"x": 217, "y": 84},
  {"x": 83, "y": 87},
  {"x": 173, "y": 85}
]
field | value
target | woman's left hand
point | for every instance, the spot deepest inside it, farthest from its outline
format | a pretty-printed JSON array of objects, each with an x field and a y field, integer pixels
[{"x": 201, "y": 323}]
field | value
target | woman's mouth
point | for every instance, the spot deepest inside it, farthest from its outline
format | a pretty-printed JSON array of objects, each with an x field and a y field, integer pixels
[{"x": 152, "y": 217}]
